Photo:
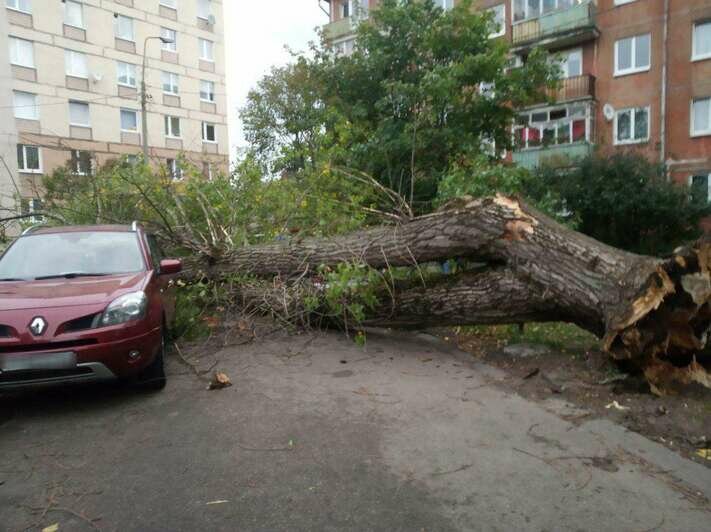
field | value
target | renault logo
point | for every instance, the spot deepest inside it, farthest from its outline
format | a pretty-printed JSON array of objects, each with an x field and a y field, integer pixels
[{"x": 38, "y": 326}]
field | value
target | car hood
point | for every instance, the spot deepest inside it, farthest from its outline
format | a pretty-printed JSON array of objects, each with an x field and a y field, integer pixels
[{"x": 53, "y": 293}]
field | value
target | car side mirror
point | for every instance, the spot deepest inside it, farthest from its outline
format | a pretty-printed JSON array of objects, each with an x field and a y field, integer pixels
[{"x": 170, "y": 266}]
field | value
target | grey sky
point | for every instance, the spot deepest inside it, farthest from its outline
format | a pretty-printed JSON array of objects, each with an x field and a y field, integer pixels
[{"x": 256, "y": 33}]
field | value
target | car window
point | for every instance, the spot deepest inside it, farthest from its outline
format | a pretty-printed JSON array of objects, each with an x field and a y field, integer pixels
[
  {"x": 156, "y": 252},
  {"x": 97, "y": 252}
]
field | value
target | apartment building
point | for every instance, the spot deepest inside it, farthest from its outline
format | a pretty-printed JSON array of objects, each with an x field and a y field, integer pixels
[
  {"x": 637, "y": 76},
  {"x": 70, "y": 87}
]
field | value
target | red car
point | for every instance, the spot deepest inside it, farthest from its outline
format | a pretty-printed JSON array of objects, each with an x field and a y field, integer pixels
[{"x": 84, "y": 304}]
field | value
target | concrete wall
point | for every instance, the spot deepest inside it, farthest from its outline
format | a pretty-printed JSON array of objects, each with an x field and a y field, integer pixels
[{"x": 51, "y": 38}]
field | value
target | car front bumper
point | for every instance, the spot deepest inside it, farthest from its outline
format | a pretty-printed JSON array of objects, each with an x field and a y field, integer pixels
[{"x": 86, "y": 363}]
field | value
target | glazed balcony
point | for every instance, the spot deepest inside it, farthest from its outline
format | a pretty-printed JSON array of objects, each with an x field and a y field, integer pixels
[
  {"x": 564, "y": 27},
  {"x": 340, "y": 29},
  {"x": 560, "y": 156}
]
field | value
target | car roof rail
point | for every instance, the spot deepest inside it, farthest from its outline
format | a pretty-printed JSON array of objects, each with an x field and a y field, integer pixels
[
  {"x": 134, "y": 226},
  {"x": 31, "y": 229}
]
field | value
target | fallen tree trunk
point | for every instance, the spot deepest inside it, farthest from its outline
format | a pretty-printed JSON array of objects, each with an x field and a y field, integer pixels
[{"x": 653, "y": 313}]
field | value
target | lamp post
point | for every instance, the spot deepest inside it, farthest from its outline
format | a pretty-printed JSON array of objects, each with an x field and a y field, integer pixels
[{"x": 144, "y": 94}]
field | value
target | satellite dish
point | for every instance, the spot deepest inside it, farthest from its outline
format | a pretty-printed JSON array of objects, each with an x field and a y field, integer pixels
[
  {"x": 608, "y": 111},
  {"x": 97, "y": 77}
]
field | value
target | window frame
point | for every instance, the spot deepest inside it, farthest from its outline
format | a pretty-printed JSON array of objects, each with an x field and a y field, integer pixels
[
  {"x": 165, "y": 3},
  {"x": 17, "y": 8},
  {"x": 209, "y": 9},
  {"x": 81, "y": 14},
  {"x": 214, "y": 96},
  {"x": 206, "y": 125},
  {"x": 12, "y": 45},
  {"x": 633, "y": 113},
  {"x": 24, "y": 168},
  {"x": 632, "y": 69},
  {"x": 501, "y": 31},
  {"x": 85, "y": 105},
  {"x": 176, "y": 172},
  {"x": 123, "y": 110},
  {"x": 690, "y": 182},
  {"x": 75, "y": 158},
  {"x": 117, "y": 27},
  {"x": 131, "y": 67},
  {"x": 34, "y": 107},
  {"x": 692, "y": 132},
  {"x": 168, "y": 127},
  {"x": 172, "y": 76},
  {"x": 169, "y": 46},
  {"x": 694, "y": 55},
  {"x": 202, "y": 49},
  {"x": 622, "y": 2},
  {"x": 71, "y": 54}
]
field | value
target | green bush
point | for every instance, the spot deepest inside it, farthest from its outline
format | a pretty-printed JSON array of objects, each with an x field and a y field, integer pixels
[{"x": 623, "y": 200}]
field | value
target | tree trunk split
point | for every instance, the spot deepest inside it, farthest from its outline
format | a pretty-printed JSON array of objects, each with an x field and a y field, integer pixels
[{"x": 652, "y": 313}]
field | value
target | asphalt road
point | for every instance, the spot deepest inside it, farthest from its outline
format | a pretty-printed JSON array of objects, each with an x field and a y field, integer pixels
[{"x": 319, "y": 434}]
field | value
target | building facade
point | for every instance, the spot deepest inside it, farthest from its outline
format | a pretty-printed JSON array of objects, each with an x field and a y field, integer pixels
[
  {"x": 70, "y": 87},
  {"x": 637, "y": 76}
]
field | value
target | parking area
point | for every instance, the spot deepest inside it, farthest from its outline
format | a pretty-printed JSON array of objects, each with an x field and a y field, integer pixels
[{"x": 317, "y": 433}]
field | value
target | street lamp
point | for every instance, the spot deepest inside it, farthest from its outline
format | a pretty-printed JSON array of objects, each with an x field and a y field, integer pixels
[{"x": 144, "y": 94}]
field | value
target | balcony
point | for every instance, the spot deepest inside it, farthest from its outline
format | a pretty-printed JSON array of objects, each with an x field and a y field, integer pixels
[
  {"x": 339, "y": 29},
  {"x": 564, "y": 27},
  {"x": 561, "y": 156},
  {"x": 575, "y": 88}
]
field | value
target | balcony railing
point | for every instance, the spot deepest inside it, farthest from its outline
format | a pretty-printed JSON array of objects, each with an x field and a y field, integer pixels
[
  {"x": 557, "y": 24},
  {"x": 340, "y": 28},
  {"x": 575, "y": 88},
  {"x": 560, "y": 156}
]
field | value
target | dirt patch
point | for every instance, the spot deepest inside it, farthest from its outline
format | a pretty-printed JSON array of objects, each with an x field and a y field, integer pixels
[{"x": 546, "y": 361}]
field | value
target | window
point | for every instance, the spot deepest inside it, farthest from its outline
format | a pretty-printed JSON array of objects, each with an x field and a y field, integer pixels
[
  {"x": 699, "y": 188},
  {"x": 499, "y": 20},
  {"x": 623, "y": 2},
  {"x": 169, "y": 3},
  {"x": 701, "y": 45},
  {"x": 129, "y": 120},
  {"x": 553, "y": 126},
  {"x": 701, "y": 117},
  {"x": 126, "y": 74},
  {"x": 203, "y": 9},
  {"x": 75, "y": 63},
  {"x": 632, "y": 54},
  {"x": 527, "y": 9},
  {"x": 28, "y": 158},
  {"x": 73, "y": 14},
  {"x": 79, "y": 114},
  {"x": 123, "y": 27},
  {"x": 22, "y": 52},
  {"x": 570, "y": 62},
  {"x": 207, "y": 170},
  {"x": 208, "y": 132},
  {"x": 207, "y": 91},
  {"x": 172, "y": 126},
  {"x": 445, "y": 4},
  {"x": 169, "y": 82},
  {"x": 344, "y": 48},
  {"x": 26, "y": 105},
  {"x": 176, "y": 172},
  {"x": 31, "y": 206},
  {"x": 207, "y": 52},
  {"x": 20, "y": 5},
  {"x": 632, "y": 125},
  {"x": 81, "y": 162},
  {"x": 171, "y": 35}
]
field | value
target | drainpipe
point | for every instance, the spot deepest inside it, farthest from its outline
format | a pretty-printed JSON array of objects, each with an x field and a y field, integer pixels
[{"x": 663, "y": 112}]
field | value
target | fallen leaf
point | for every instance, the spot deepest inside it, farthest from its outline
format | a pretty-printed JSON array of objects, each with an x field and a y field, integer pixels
[
  {"x": 704, "y": 453},
  {"x": 51, "y": 528},
  {"x": 219, "y": 381},
  {"x": 617, "y": 406}
]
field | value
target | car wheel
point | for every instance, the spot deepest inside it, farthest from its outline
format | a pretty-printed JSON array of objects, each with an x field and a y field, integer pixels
[{"x": 153, "y": 376}]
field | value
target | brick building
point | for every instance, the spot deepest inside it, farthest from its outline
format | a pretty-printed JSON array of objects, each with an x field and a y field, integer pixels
[
  {"x": 70, "y": 87},
  {"x": 637, "y": 77}
]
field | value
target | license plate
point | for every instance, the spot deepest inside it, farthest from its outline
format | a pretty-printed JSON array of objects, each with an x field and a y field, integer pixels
[{"x": 47, "y": 361}]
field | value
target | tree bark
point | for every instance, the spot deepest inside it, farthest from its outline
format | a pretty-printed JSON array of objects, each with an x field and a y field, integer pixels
[{"x": 653, "y": 313}]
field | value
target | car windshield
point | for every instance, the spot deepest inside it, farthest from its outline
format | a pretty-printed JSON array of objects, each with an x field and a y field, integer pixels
[{"x": 71, "y": 255}]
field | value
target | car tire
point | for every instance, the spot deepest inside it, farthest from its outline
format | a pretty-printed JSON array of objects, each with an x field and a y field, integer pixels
[{"x": 152, "y": 377}]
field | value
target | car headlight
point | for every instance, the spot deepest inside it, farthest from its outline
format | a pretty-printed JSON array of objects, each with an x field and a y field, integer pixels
[{"x": 125, "y": 308}]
